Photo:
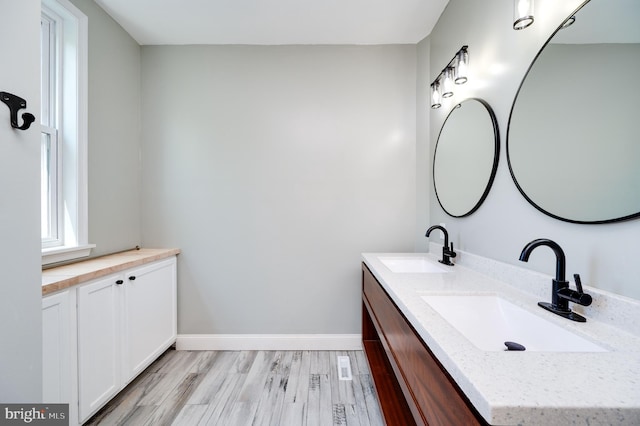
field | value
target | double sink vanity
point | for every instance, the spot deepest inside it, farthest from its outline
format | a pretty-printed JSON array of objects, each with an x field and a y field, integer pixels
[
  {"x": 468, "y": 342},
  {"x": 435, "y": 339}
]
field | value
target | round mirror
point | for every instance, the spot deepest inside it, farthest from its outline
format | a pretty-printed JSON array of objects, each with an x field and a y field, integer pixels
[
  {"x": 573, "y": 148},
  {"x": 466, "y": 157}
]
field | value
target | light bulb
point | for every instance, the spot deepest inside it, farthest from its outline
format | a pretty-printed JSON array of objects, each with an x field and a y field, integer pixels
[
  {"x": 462, "y": 67},
  {"x": 522, "y": 14},
  {"x": 447, "y": 85},
  {"x": 435, "y": 95}
]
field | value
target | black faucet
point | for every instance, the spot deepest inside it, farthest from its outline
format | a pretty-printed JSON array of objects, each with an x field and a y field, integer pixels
[
  {"x": 447, "y": 253},
  {"x": 561, "y": 294}
]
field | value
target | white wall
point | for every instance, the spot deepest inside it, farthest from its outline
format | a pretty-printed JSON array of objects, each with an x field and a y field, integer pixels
[
  {"x": 604, "y": 255},
  {"x": 114, "y": 133},
  {"x": 273, "y": 168},
  {"x": 20, "y": 287}
]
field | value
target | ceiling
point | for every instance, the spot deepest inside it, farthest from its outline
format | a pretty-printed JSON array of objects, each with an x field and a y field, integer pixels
[{"x": 274, "y": 22}]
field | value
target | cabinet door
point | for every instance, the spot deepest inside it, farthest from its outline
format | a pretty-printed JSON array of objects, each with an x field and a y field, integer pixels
[
  {"x": 431, "y": 394},
  {"x": 99, "y": 349},
  {"x": 56, "y": 348},
  {"x": 150, "y": 314}
]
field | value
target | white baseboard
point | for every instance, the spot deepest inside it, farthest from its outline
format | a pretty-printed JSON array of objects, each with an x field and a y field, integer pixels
[{"x": 269, "y": 342}]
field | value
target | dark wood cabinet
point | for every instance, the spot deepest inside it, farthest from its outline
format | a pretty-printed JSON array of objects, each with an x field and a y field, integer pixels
[{"x": 412, "y": 386}]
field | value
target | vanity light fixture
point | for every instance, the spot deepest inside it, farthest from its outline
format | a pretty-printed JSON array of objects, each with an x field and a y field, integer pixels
[
  {"x": 522, "y": 14},
  {"x": 455, "y": 71}
]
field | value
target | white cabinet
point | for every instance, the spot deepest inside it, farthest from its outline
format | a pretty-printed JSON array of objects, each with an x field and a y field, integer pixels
[{"x": 122, "y": 321}]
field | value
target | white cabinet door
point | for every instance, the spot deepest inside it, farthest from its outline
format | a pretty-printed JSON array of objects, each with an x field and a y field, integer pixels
[
  {"x": 99, "y": 348},
  {"x": 59, "y": 351},
  {"x": 56, "y": 347},
  {"x": 149, "y": 313}
]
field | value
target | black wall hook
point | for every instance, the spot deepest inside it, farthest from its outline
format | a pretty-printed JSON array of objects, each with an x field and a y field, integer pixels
[{"x": 16, "y": 103}]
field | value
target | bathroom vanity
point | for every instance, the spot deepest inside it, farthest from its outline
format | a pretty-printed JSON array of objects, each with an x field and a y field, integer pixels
[
  {"x": 413, "y": 388},
  {"x": 427, "y": 371}
]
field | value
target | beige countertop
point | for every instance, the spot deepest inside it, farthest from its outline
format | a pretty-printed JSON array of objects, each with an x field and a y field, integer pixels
[{"x": 61, "y": 277}]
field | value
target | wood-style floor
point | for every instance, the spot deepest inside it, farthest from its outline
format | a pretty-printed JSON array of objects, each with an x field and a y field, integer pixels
[{"x": 236, "y": 388}]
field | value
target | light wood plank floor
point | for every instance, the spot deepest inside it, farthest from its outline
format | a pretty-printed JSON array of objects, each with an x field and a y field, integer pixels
[{"x": 236, "y": 388}]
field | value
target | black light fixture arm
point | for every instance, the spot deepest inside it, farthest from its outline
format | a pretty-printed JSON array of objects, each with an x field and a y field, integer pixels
[
  {"x": 16, "y": 103},
  {"x": 455, "y": 72},
  {"x": 451, "y": 63}
]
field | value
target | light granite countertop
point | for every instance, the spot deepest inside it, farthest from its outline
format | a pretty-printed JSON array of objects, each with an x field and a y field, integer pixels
[
  {"x": 527, "y": 388},
  {"x": 61, "y": 277}
]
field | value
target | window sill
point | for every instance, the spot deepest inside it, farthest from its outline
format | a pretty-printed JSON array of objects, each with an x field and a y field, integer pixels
[{"x": 63, "y": 254}]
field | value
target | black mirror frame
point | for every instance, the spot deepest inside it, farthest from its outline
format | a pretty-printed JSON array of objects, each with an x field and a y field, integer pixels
[
  {"x": 513, "y": 177},
  {"x": 496, "y": 157}
]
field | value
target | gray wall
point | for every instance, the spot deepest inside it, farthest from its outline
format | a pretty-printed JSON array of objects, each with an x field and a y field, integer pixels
[
  {"x": 114, "y": 133},
  {"x": 423, "y": 161},
  {"x": 20, "y": 287},
  {"x": 604, "y": 255},
  {"x": 273, "y": 168}
]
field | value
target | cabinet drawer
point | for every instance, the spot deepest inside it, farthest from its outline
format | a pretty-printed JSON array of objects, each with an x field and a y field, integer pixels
[{"x": 433, "y": 392}]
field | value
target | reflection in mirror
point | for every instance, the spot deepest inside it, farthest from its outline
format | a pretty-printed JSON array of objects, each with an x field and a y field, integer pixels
[
  {"x": 466, "y": 157},
  {"x": 573, "y": 148}
]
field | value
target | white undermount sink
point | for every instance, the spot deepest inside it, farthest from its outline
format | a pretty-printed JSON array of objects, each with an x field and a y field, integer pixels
[
  {"x": 488, "y": 320},
  {"x": 414, "y": 265}
]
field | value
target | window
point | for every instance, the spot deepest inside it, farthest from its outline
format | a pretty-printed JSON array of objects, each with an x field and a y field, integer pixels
[{"x": 63, "y": 132}]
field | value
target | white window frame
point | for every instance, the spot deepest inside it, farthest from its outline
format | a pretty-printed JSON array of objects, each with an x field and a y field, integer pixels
[
  {"x": 50, "y": 211},
  {"x": 71, "y": 130}
]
